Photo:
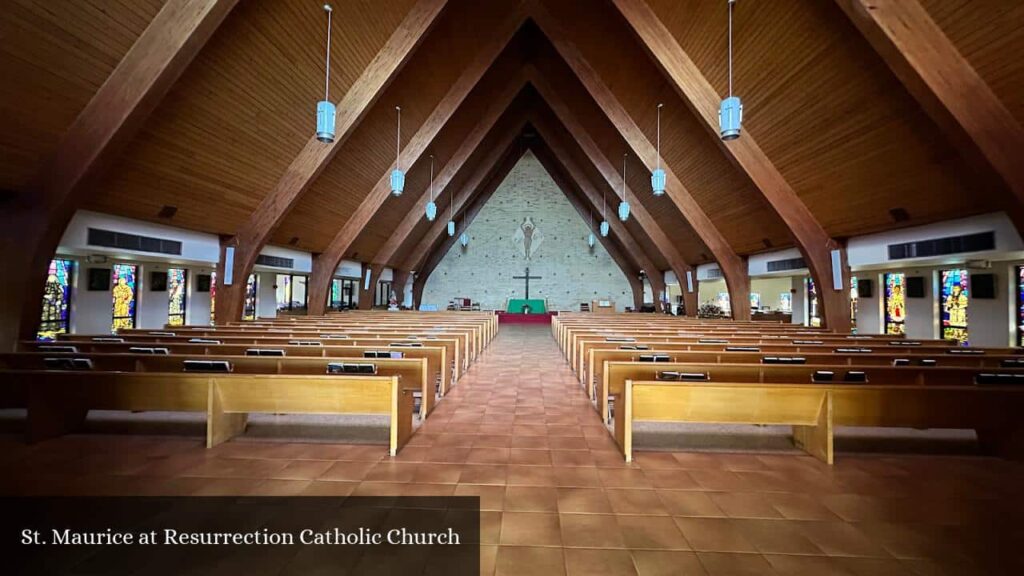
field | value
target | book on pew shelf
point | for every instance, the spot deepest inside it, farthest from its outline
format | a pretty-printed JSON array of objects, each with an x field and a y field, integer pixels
[
  {"x": 742, "y": 349},
  {"x": 264, "y": 352},
  {"x": 305, "y": 343},
  {"x": 904, "y": 343},
  {"x": 784, "y": 360},
  {"x": 807, "y": 342},
  {"x": 999, "y": 378},
  {"x": 162, "y": 334},
  {"x": 693, "y": 376},
  {"x": 901, "y": 362},
  {"x": 619, "y": 339},
  {"x": 822, "y": 376},
  {"x": 928, "y": 362},
  {"x": 406, "y": 344},
  {"x": 668, "y": 375},
  {"x": 853, "y": 350},
  {"x": 654, "y": 358},
  {"x": 203, "y": 341},
  {"x": 397, "y": 355},
  {"x": 55, "y": 348},
  {"x": 108, "y": 339},
  {"x": 713, "y": 341},
  {"x": 964, "y": 351},
  {"x": 627, "y": 347},
  {"x": 857, "y": 376},
  {"x": 1011, "y": 362},
  {"x": 148, "y": 350},
  {"x": 206, "y": 366},
  {"x": 334, "y": 336},
  {"x": 349, "y": 368},
  {"x": 67, "y": 363}
]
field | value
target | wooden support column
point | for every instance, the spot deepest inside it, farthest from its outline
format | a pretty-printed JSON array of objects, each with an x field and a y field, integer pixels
[
  {"x": 401, "y": 277},
  {"x": 316, "y": 155},
  {"x": 323, "y": 267},
  {"x": 366, "y": 294},
  {"x": 947, "y": 87},
  {"x": 814, "y": 243},
  {"x": 35, "y": 219}
]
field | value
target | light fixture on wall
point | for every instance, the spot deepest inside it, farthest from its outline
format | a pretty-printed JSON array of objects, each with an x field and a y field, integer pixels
[
  {"x": 623, "y": 205},
  {"x": 730, "y": 114},
  {"x": 451, "y": 214},
  {"x": 658, "y": 178},
  {"x": 325, "y": 110},
  {"x": 604, "y": 221},
  {"x": 397, "y": 176},
  {"x": 431, "y": 205}
]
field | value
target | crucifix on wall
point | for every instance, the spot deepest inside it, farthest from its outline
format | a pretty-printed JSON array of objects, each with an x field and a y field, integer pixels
[{"x": 527, "y": 277}]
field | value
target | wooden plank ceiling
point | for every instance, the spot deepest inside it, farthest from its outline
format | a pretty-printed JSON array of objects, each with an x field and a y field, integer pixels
[{"x": 826, "y": 110}]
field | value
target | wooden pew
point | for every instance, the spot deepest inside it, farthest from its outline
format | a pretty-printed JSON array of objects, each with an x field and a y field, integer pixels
[
  {"x": 815, "y": 409},
  {"x": 58, "y": 401},
  {"x": 411, "y": 372}
]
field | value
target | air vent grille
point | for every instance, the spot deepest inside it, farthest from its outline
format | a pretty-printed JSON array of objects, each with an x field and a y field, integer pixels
[
  {"x": 122, "y": 241},
  {"x": 713, "y": 273},
  {"x": 788, "y": 264},
  {"x": 942, "y": 246},
  {"x": 275, "y": 261}
]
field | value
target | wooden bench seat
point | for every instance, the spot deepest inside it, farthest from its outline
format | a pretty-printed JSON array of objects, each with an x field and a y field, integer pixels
[
  {"x": 815, "y": 409},
  {"x": 58, "y": 401}
]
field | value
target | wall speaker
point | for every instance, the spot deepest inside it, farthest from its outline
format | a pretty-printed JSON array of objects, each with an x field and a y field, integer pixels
[
  {"x": 915, "y": 286},
  {"x": 203, "y": 282},
  {"x": 158, "y": 281},
  {"x": 864, "y": 288},
  {"x": 99, "y": 279},
  {"x": 983, "y": 286}
]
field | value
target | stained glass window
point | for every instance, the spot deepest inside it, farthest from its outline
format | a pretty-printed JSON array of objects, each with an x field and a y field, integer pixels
[
  {"x": 723, "y": 302},
  {"x": 755, "y": 300},
  {"x": 284, "y": 291},
  {"x": 177, "y": 282},
  {"x": 1020, "y": 306},
  {"x": 56, "y": 315},
  {"x": 335, "y": 298},
  {"x": 213, "y": 297},
  {"x": 813, "y": 318},
  {"x": 251, "y": 287},
  {"x": 124, "y": 296},
  {"x": 854, "y": 296},
  {"x": 953, "y": 300},
  {"x": 786, "y": 302},
  {"x": 895, "y": 303}
]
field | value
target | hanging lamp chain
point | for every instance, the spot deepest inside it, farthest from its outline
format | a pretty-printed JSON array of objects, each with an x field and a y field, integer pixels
[
  {"x": 658, "y": 159},
  {"x": 431, "y": 177},
  {"x": 731, "y": 2},
  {"x": 327, "y": 81},
  {"x": 398, "y": 140},
  {"x": 624, "y": 156}
]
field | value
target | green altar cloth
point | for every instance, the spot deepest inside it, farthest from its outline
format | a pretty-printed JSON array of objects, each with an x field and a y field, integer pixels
[{"x": 536, "y": 305}]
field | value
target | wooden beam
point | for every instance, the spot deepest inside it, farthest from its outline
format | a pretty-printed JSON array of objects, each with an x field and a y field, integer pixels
[
  {"x": 814, "y": 243},
  {"x": 325, "y": 264},
  {"x": 595, "y": 199},
  {"x": 629, "y": 269},
  {"x": 496, "y": 151},
  {"x": 315, "y": 155},
  {"x": 366, "y": 295},
  {"x": 734, "y": 268},
  {"x": 946, "y": 85},
  {"x": 593, "y": 152},
  {"x": 489, "y": 174},
  {"x": 35, "y": 220},
  {"x": 499, "y": 104}
]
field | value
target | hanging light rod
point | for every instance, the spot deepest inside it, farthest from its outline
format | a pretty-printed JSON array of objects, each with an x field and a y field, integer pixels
[
  {"x": 730, "y": 114},
  {"x": 431, "y": 205},
  {"x": 658, "y": 176},
  {"x": 326, "y": 113},
  {"x": 397, "y": 176},
  {"x": 623, "y": 205}
]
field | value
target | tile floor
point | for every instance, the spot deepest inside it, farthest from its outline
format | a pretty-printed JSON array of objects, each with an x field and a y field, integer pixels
[{"x": 558, "y": 499}]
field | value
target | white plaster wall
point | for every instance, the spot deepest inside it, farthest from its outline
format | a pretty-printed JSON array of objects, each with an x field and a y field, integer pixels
[{"x": 572, "y": 273}]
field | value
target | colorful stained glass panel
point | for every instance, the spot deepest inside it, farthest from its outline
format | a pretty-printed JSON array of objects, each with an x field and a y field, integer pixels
[
  {"x": 56, "y": 314},
  {"x": 176, "y": 294},
  {"x": 251, "y": 287},
  {"x": 124, "y": 294},
  {"x": 813, "y": 317},
  {"x": 953, "y": 300},
  {"x": 895, "y": 303}
]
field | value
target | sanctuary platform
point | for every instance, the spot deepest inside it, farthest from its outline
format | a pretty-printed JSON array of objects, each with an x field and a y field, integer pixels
[{"x": 515, "y": 318}]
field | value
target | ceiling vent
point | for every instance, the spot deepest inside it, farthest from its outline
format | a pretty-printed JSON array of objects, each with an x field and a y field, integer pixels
[
  {"x": 713, "y": 273},
  {"x": 943, "y": 246},
  {"x": 787, "y": 264},
  {"x": 122, "y": 241},
  {"x": 275, "y": 261}
]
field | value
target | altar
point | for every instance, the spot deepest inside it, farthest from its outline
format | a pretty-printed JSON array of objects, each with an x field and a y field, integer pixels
[{"x": 517, "y": 305}]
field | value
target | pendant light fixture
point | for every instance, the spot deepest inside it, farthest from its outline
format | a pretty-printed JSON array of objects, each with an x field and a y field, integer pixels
[
  {"x": 397, "y": 176},
  {"x": 604, "y": 222},
  {"x": 658, "y": 176},
  {"x": 730, "y": 115},
  {"x": 325, "y": 110},
  {"x": 464, "y": 239},
  {"x": 623, "y": 205},
  {"x": 451, "y": 215},
  {"x": 590, "y": 227},
  {"x": 431, "y": 205}
]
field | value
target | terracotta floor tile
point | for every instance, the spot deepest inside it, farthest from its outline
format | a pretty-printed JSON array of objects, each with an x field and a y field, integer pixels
[
  {"x": 591, "y": 530},
  {"x": 727, "y": 564},
  {"x": 347, "y": 471},
  {"x": 776, "y": 537},
  {"x": 841, "y": 539},
  {"x": 577, "y": 477},
  {"x": 530, "y": 529},
  {"x": 667, "y": 563},
  {"x": 531, "y": 499},
  {"x": 685, "y": 503},
  {"x": 583, "y": 500},
  {"x": 651, "y": 532},
  {"x": 491, "y": 497},
  {"x": 581, "y": 562},
  {"x": 744, "y": 504},
  {"x": 800, "y": 507},
  {"x": 529, "y": 560},
  {"x": 714, "y": 535},
  {"x": 623, "y": 478},
  {"x": 630, "y": 501}
]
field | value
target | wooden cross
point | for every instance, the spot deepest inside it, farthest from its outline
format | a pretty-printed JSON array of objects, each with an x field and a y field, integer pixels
[{"x": 527, "y": 277}]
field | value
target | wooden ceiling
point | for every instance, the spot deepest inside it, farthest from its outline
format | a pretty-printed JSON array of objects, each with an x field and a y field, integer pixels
[{"x": 834, "y": 120}]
